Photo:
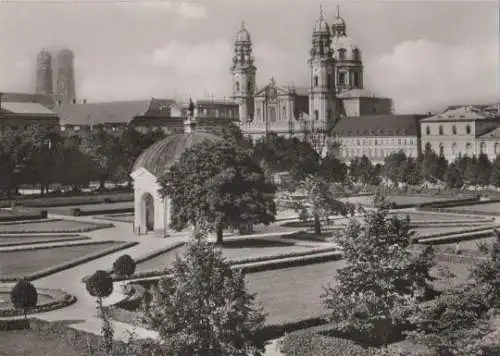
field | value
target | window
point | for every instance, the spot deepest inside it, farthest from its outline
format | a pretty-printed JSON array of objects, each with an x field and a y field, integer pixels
[
  {"x": 411, "y": 141},
  {"x": 468, "y": 147},
  {"x": 237, "y": 86},
  {"x": 482, "y": 148},
  {"x": 341, "y": 54},
  {"x": 283, "y": 111},
  {"x": 329, "y": 80},
  {"x": 454, "y": 130},
  {"x": 467, "y": 130},
  {"x": 497, "y": 148},
  {"x": 316, "y": 81},
  {"x": 441, "y": 149},
  {"x": 356, "y": 79},
  {"x": 342, "y": 78},
  {"x": 399, "y": 142},
  {"x": 454, "y": 148},
  {"x": 359, "y": 143},
  {"x": 272, "y": 114},
  {"x": 441, "y": 130},
  {"x": 427, "y": 130},
  {"x": 330, "y": 116},
  {"x": 258, "y": 114},
  {"x": 316, "y": 115}
]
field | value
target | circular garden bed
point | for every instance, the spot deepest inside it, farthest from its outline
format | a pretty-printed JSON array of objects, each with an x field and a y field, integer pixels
[{"x": 48, "y": 299}]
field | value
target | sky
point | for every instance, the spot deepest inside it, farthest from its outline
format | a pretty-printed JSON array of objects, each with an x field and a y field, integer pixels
[{"x": 425, "y": 55}]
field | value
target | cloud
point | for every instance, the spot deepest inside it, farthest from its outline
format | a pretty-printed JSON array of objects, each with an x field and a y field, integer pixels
[
  {"x": 186, "y": 10},
  {"x": 192, "y": 11},
  {"x": 425, "y": 75}
]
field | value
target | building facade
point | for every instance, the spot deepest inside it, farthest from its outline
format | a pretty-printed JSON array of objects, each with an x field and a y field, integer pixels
[
  {"x": 44, "y": 73},
  {"x": 462, "y": 131},
  {"x": 334, "y": 90},
  {"x": 377, "y": 136}
]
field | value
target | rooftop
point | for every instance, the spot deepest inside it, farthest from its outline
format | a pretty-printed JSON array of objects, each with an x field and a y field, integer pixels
[
  {"x": 379, "y": 125},
  {"x": 359, "y": 93},
  {"x": 26, "y": 108},
  {"x": 464, "y": 113}
]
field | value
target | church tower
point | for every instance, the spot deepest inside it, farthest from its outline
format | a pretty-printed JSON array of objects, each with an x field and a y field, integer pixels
[
  {"x": 322, "y": 95},
  {"x": 243, "y": 72}
]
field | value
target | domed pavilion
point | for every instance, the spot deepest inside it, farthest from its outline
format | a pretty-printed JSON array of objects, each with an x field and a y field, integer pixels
[{"x": 151, "y": 211}]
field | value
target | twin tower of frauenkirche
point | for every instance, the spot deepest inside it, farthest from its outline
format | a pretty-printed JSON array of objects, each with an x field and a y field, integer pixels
[{"x": 335, "y": 66}]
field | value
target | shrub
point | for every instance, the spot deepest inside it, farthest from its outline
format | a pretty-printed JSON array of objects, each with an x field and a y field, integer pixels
[
  {"x": 107, "y": 201},
  {"x": 24, "y": 295},
  {"x": 124, "y": 266},
  {"x": 76, "y": 212},
  {"x": 100, "y": 284},
  {"x": 43, "y": 214}
]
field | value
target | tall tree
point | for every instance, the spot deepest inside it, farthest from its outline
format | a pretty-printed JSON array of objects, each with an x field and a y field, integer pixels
[
  {"x": 484, "y": 170},
  {"x": 394, "y": 166},
  {"x": 382, "y": 281},
  {"x": 202, "y": 307},
  {"x": 362, "y": 170},
  {"x": 471, "y": 171},
  {"x": 332, "y": 169},
  {"x": 452, "y": 177},
  {"x": 433, "y": 166},
  {"x": 319, "y": 199},
  {"x": 495, "y": 172},
  {"x": 218, "y": 182}
]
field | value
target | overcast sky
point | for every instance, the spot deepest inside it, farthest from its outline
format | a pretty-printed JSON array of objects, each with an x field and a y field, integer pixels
[{"x": 425, "y": 55}]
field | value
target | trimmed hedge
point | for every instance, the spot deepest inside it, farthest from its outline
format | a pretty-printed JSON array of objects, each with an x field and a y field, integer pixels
[
  {"x": 43, "y": 241},
  {"x": 70, "y": 264},
  {"x": 81, "y": 212},
  {"x": 61, "y": 300},
  {"x": 456, "y": 237},
  {"x": 22, "y": 215},
  {"x": 448, "y": 233},
  {"x": 48, "y": 202},
  {"x": 91, "y": 226}
]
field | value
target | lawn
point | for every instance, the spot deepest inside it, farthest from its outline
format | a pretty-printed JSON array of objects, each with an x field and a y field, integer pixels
[
  {"x": 29, "y": 343},
  {"x": 13, "y": 240},
  {"x": 98, "y": 208},
  {"x": 296, "y": 292},
  {"x": 16, "y": 264},
  {"x": 423, "y": 216},
  {"x": 232, "y": 250},
  {"x": 54, "y": 226},
  {"x": 489, "y": 208},
  {"x": 5, "y": 302}
]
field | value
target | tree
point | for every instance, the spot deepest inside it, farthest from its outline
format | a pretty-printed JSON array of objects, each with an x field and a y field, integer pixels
[
  {"x": 332, "y": 169},
  {"x": 218, "y": 183},
  {"x": 100, "y": 285},
  {"x": 433, "y": 166},
  {"x": 484, "y": 170},
  {"x": 495, "y": 172},
  {"x": 452, "y": 177},
  {"x": 320, "y": 199},
  {"x": 202, "y": 308},
  {"x": 362, "y": 170},
  {"x": 382, "y": 281},
  {"x": 24, "y": 295},
  {"x": 471, "y": 172},
  {"x": 124, "y": 266},
  {"x": 394, "y": 166}
]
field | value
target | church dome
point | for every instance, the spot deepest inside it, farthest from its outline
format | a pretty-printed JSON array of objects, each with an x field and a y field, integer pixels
[
  {"x": 321, "y": 26},
  {"x": 344, "y": 49},
  {"x": 243, "y": 35},
  {"x": 338, "y": 22},
  {"x": 162, "y": 155}
]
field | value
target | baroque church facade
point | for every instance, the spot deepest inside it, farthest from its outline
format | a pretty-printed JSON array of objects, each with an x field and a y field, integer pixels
[{"x": 335, "y": 88}]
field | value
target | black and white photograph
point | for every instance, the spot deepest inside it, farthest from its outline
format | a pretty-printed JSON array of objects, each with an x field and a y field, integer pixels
[{"x": 249, "y": 178}]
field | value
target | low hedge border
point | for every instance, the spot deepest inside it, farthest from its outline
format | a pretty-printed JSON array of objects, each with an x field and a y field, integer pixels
[
  {"x": 42, "y": 241},
  {"x": 117, "y": 217},
  {"x": 90, "y": 212},
  {"x": 458, "y": 211},
  {"x": 70, "y": 264},
  {"x": 61, "y": 300},
  {"x": 452, "y": 202},
  {"x": 447, "y": 233},
  {"x": 456, "y": 238},
  {"x": 454, "y": 258},
  {"x": 139, "y": 260},
  {"x": 21, "y": 217},
  {"x": 51, "y": 202},
  {"x": 308, "y": 255},
  {"x": 8, "y": 223},
  {"x": 91, "y": 227}
]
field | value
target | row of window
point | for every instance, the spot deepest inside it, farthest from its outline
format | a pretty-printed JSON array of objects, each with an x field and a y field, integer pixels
[
  {"x": 468, "y": 130},
  {"x": 483, "y": 148},
  {"x": 342, "y": 79},
  {"x": 375, "y": 152},
  {"x": 376, "y": 142}
]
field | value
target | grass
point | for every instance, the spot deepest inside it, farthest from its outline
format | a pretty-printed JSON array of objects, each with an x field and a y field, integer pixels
[
  {"x": 16, "y": 264},
  {"x": 422, "y": 217},
  {"x": 29, "y": 343},
  {"x": 13, "y": 240},
  {"x": 127, "y": 218},
  {"x": 50, "y": 226},
  {"x": 6, "y": 304},
  {"x": 232, "y": 250}
]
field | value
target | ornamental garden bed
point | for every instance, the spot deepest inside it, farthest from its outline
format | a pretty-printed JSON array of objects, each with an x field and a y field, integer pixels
[
  {"x": 52, "y": 226},
  {"x": 48, "y": 299},
  {"x": 126, "y": 218},
  {"x": 13, "y": 240},
  {"x": 20, "y": 215},
  {"x": 94, "y": 209},
  {"x": 33, "y": 263},
  {"x": 45, "y": 202}
]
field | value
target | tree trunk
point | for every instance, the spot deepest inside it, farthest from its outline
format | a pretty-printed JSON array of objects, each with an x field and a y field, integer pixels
[
  {"x": 317, "y": 225},
  {"x": 219, "y": 232},
  {"x": 25, "y": 317},
  {"x": 102, "y": 184}
]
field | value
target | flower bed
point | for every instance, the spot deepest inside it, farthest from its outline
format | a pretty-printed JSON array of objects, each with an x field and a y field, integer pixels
[
  {"x": 455, "y": 232},
  {"x": 58, "y": 299},
  {"x": 13, "y": 240},
  {"x": 46, "y": 202},
  {"x": 94, "y": 209},
  {"x": 34, "y": 266},
  {"x": 20, "y": 215},
  {"x": 456, "y": 237}
]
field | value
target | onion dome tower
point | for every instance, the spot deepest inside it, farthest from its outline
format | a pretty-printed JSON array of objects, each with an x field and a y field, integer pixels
[
  {"x": 243, "y": 71},
  {"x": 44, "y": 73},
  {"x": 322, "y": 97},
  {"x": 349, "y": 68}
]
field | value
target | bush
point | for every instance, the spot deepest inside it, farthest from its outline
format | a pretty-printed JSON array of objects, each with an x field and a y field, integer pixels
[
  {"x": 76, "y": 212},
  {"x": 124, "y": 266},
  {"x": 43, "y": 214},
  {"x": 24, "y": 295},
  {"x": 100, "y": 284}
]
